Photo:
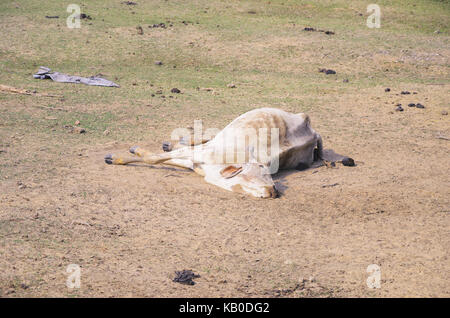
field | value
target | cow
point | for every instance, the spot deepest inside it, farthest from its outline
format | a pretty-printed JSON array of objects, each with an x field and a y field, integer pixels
[{"x": 229, "y": 159}]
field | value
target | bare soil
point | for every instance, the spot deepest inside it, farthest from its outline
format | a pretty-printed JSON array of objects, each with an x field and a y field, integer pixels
[{"x": 131, "y": 227}]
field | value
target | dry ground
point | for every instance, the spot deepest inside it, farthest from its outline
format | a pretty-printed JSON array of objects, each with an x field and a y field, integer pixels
[{"x": 131, "y": 227}]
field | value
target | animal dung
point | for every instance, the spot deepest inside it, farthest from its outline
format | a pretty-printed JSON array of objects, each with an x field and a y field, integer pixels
[
  {"x": 175, "y": 90},
  {"x": 314, "y": 30},
  {"x": 349, "y": 162},
  {"x": 326, "y": 71},
  {"x": 85, "y": 16},
  {"x": 185, "y": 277},
  {"x": 160, "y": 25},
  {"x": 418, "y": 105}
]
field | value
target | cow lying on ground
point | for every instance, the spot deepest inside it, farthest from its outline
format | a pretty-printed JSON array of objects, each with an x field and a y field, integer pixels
[{"x": 229, "y": 160}]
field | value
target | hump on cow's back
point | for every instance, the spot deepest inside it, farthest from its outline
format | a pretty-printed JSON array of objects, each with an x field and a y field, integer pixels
[{"x": 305, "y": 117}]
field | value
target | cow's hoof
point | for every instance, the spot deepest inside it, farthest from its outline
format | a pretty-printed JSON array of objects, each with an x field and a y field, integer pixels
[
  {"x": 349, "y": 162},
  {"x": 184, "y": 141},
  {"x": 167, "y": 146},
  {"x": 109, "y": 159},
  {"x": 133, "y": 149}
]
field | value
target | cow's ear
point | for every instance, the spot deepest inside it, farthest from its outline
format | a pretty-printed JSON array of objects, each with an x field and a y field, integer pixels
[{"x": 230, "y": 171}]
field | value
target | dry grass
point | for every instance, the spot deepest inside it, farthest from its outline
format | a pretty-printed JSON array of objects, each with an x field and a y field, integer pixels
[{"x": 130, "y": 228}]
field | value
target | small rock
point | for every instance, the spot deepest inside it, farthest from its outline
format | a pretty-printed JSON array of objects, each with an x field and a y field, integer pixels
[
  {"x": 77, "y": 123},
  {"x": 405, "y": 93},
  {"x": 106, "y": 132},
  {"x": 159, "y": 91},
  {"x": 387, "y": 89},
  {"x": 437, "y": 32},
  {"x": 309, "y": 29},
  {"x": 345, "y": 80},
  {"x": 444, "y": 112},
  {"x": 419, "y": 105},
  {"x": 175, "y": 90},
  {"x": 399, "y": 108},
  {"x": 139, "y": 29},
  {"x": 158, "y": 63},
  {"x": 411, "y": 105},
  {"x": 231, "y": 85}
]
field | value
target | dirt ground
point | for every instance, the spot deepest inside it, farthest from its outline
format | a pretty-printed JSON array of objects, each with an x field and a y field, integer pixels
[{"x": 130, "y": 228}]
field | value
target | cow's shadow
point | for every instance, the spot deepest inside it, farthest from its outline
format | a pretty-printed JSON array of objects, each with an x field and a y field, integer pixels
[
  {"x": 328, "y": 156},
  {"x": 279, "y": 177}
]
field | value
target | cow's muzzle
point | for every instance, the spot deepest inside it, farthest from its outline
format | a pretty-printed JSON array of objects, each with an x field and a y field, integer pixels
[{"x": 272, "y": 192}]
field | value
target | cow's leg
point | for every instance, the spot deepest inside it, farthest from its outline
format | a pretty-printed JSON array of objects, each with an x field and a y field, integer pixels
[
  {"x": 141, "y": 156},
  {"x": 181, "y": 163},
  {"x": 112, "y": 159},
  {"x": 193, "y": 154},
  {"x": 183, "y": 142}
]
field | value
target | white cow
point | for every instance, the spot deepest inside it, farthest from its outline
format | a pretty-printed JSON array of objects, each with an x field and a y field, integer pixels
[{"x": 282, "y": 140}]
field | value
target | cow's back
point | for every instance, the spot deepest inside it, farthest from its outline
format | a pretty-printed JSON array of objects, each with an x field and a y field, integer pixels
[{"x": 293, "y": 133}]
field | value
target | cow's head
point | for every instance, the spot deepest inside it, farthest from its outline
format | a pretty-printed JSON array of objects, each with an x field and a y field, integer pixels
[{"x": 251, "y": 177}]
